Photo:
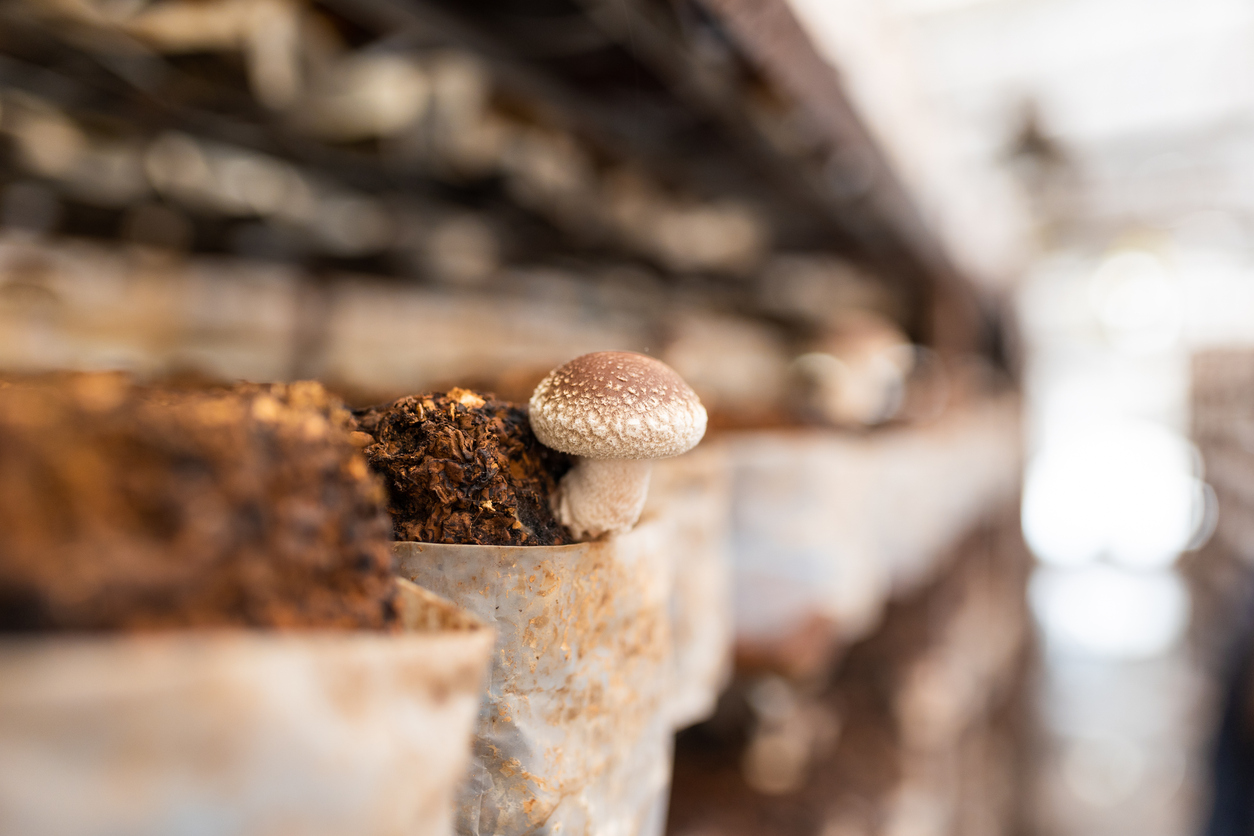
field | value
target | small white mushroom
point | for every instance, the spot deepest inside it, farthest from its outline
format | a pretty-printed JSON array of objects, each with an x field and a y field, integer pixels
[{"x": 615, "y": 411}]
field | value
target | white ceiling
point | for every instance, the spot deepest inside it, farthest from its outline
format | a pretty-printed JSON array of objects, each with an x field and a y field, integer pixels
[{"x": 1152, "y": 101}]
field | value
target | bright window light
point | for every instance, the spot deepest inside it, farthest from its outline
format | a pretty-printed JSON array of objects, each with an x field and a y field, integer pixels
[
  {"x": 1138, "y": 303},
  {"x": 1109, "y": 611},
  {"x": 1125, "y": 491}
]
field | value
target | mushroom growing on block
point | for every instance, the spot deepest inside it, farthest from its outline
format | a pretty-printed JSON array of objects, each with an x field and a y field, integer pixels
[{"x": 615, "y": 411}]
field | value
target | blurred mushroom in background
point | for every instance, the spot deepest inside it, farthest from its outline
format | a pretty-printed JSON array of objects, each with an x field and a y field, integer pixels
[{"x": 856, "y": 375}]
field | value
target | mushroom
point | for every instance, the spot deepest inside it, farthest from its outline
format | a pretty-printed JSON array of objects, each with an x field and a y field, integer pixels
[
  {"x": 614, "y": 411},
  {"x": 857, "y": 376}
]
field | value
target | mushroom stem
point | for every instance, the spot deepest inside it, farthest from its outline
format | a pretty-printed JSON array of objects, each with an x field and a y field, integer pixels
[{"x": 602, "y": 495}]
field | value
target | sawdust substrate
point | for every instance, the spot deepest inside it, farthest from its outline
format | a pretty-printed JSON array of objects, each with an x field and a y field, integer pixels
[
  {"x": 464, "y": 467},
  {"x": 125, "y": 507}
]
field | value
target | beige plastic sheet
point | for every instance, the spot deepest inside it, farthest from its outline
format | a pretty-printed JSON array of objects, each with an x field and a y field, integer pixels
[
  {"x": 831, "y": 526},
  {"x": 575, "y": 731},
  {"x": 241, "y": 733},
  {"x": 692, "y": 494}
]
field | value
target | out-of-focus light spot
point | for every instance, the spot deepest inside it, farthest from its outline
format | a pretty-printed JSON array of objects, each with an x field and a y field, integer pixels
[
  {"x": 1126, "y": 491},
  {"x": 1103, "y": 771},
  {"x": 1110, "y": 612},
  {"x": 1137, "y": 302}
]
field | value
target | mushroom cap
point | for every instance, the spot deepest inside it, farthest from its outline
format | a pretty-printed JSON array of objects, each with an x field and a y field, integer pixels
[{"x": 617, "y": 405}]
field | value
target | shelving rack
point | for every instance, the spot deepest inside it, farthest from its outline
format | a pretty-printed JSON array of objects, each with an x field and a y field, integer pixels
[{"x": 722, "y": 102}]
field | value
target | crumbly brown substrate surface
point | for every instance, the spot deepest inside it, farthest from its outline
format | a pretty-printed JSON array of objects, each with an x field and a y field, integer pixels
[
  {"x": 130, "y": 508},
  {"x": 464, "y": 468}
]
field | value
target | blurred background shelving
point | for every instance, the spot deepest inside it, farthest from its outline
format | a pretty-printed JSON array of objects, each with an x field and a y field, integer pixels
[{"x": 613, "y": 158}]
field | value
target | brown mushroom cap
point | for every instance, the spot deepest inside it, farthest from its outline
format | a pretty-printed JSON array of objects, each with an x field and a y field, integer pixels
[{"x": 617, "y": 405}]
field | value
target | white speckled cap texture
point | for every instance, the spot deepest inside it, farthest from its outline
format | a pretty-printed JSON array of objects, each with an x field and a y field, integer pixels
[{"x": 617, "y": 405}]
